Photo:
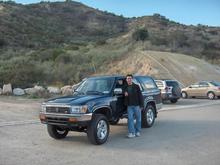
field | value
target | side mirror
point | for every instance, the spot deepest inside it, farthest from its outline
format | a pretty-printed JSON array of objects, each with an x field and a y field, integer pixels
[{"x": 118, "y": 91}]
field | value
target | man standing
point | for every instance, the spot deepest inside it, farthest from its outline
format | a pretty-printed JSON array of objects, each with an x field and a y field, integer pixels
[{"x": 134, "y": 103}]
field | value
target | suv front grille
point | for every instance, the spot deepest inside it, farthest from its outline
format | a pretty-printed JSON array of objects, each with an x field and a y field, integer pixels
[{"x": 63, "y": 110}]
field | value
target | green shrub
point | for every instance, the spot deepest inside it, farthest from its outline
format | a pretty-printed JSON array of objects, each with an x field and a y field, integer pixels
[{"x": 140, "y": 34}]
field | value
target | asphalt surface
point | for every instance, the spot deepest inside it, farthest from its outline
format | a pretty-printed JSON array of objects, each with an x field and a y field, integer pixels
[{"x": 185, "y": 133}]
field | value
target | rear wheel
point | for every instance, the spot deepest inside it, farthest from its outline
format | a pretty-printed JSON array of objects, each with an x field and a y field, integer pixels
[
  {"x": 56, "y": 132},
  {"x": 173, "y": 100},
  {"x": 211, "y": 95},
  {"x": 148, "y": 116},
  {"x": 98, "y": 129},
  {"x": 184, "y": 95}
]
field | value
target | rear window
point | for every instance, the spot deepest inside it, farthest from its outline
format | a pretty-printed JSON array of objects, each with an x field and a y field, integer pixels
[
  {"x": 215, "y": 83},
  {"x": 172, "y": 83}
]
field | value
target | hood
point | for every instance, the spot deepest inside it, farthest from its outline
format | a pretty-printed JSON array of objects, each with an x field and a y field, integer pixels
[{"x": 75, "y": 100}]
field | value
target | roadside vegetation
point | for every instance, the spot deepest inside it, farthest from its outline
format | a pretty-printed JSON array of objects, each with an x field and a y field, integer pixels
[
  {"x": 56, "y": 66},
  {"x": 57, "y": 43}
]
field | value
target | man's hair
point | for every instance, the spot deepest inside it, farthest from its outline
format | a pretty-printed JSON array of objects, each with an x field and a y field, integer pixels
[{"x": 129, "y": 75}]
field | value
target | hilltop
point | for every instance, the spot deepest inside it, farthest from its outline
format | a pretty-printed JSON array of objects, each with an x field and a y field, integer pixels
[
  {"x": 63, "y": 42},
  {"x": 46, "y": 25}
]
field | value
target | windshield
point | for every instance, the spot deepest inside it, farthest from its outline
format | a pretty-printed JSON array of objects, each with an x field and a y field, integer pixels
[
  {"x": 95, "y": 86},
  {"x": 215, "y": 83}
]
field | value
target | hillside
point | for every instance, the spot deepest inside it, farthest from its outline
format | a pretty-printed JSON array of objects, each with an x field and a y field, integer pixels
[
  {"x": 45, "y": 24},
  {"x": 63, "y": 42},
  {"x": 164, "y": 65}
]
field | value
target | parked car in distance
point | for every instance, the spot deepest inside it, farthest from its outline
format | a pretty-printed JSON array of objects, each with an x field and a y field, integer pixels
[
  {"x": 170, "y": 90},
  {"x": 209, "y": 89}
]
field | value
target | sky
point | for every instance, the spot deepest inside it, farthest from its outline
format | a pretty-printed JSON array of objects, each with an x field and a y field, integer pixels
[{"x": 189, "y": 12}]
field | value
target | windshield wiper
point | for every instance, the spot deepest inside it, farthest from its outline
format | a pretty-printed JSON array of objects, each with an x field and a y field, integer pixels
[
  {"x": 94, "y": 92},
  {"x": 80, "y": 93}
]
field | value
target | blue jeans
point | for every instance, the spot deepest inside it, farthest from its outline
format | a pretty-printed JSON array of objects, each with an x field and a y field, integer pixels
[{"x": 134, "y": 111}]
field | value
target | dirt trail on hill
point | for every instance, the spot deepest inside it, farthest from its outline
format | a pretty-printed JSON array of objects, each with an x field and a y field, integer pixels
[{"x": 165, "y": 65}]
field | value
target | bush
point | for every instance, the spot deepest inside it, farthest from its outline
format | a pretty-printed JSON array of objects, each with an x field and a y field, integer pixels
[
  {"x": 21, "y": 72},
  {"x": 140, "y": 35}
]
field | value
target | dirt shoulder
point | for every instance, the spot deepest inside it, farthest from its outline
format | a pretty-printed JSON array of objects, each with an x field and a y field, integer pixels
[{"x": 19, "y": 108}]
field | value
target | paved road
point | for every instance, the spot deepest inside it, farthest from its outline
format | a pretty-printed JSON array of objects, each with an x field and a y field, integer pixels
[{"x": 186, "y": 133}]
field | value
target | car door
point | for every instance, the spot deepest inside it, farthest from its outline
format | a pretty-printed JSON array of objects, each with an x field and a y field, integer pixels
[
  {"x": 203, "y": 89},
  {"x": 193, "y": 90},
  {"x": 117, "y": 103}
]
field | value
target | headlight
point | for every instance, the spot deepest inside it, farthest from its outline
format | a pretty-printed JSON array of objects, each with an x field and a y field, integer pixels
[
  {"x": 79, "y": 109},
  {"x": 43, "y": 108}
]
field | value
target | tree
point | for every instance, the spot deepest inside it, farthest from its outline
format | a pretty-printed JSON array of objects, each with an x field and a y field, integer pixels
[{"x": 140, "y": 34}]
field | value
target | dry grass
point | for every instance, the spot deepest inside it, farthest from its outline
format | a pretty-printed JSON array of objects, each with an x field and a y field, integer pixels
[{"x": 164, "y": 65}]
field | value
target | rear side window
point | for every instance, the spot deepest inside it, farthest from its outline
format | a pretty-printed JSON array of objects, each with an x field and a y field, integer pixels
[
  {"x": 203, "y": 84},
  {"x": 147, "y": 83},
  {"x": 172, "y": 83},
  {"x": 215, "y": 83},
  {"x": 120, "y": 83},
  {"x": 159, "y": 84}
]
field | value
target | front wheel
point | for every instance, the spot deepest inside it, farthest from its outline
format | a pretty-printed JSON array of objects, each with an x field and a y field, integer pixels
[
  {"x": 98, "y": 129},
  {"x": 211, "y": 95},
  {"x": 148, "y": 116},
  {"x": 184, "y": 95},
  {"x": 56, "y": 132}
]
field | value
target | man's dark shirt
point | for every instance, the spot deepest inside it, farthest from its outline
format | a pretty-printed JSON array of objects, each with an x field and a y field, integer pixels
[{"x": 134, "y": 97}]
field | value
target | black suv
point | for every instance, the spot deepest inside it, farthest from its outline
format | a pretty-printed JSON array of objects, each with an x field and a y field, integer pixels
[
  {"x": 170, "y": 90},
  {"x": 96, "y": 103}
]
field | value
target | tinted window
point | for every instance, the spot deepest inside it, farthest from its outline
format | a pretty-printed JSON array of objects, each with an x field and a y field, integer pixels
[
  {"x": 120, "y": 83},
  {"x": 215, "y": 83},
  {"x": 147, "y": 83},
  {"x": 172, "y": 83},
  {"x": 136, "y": 82}
]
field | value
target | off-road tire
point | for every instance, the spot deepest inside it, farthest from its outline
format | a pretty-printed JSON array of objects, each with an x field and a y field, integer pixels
[
  {"x": 176, "y": 91},
  {"x": 148, "y": 116},
  {"x": 56, "y": 132},
  {"x": 98, "y": 130}
]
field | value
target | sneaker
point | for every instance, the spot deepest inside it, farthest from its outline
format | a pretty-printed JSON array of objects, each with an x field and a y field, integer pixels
[
  {"x": 131, "y": 135},
  {"x": 138, "y": 134}
]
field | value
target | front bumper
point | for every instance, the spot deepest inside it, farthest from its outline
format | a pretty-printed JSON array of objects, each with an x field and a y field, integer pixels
[{"x": 68, "y": 120}]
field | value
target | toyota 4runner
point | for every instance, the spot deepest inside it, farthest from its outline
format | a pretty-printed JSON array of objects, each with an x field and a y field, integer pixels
[{"x": 96, "y": 103}]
